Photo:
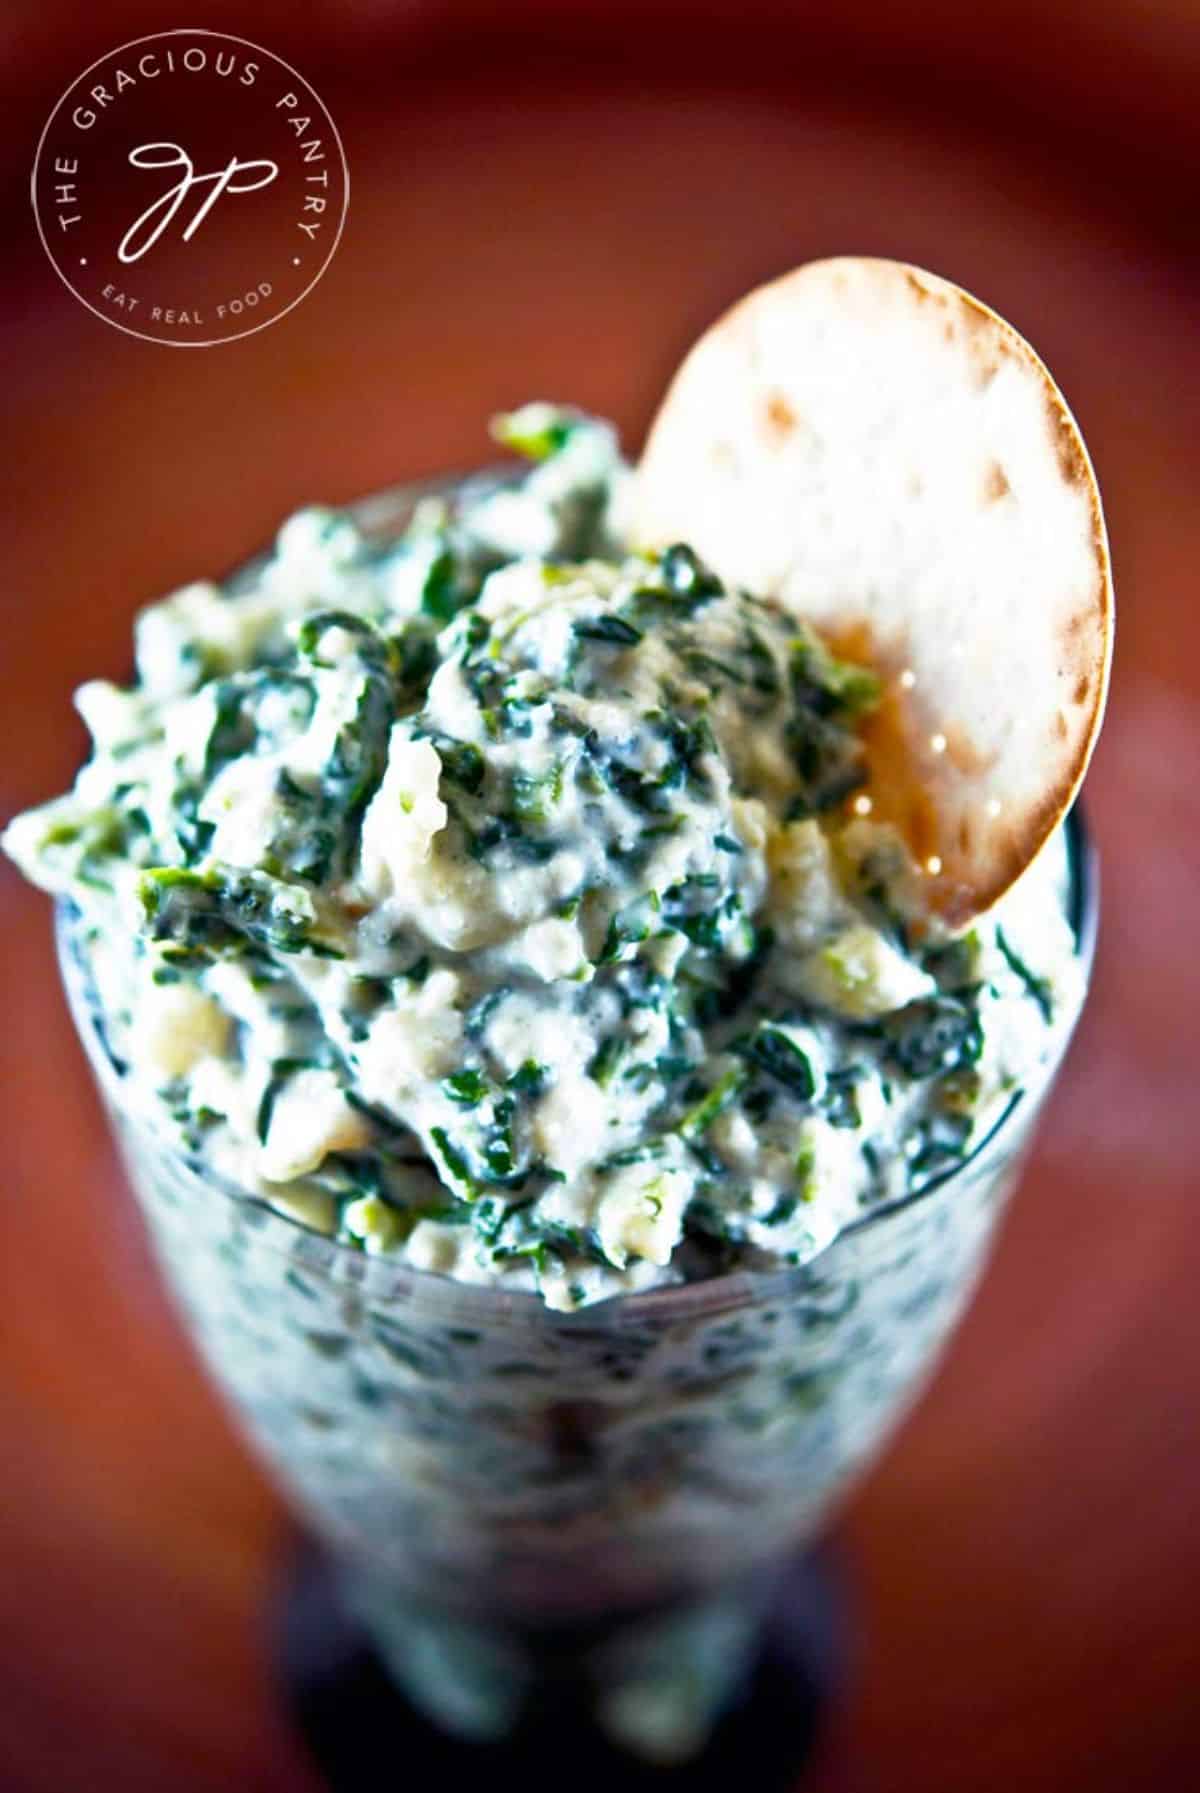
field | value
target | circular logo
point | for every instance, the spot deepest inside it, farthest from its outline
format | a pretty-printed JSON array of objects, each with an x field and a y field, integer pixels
[{"x": 190, "y": 188}]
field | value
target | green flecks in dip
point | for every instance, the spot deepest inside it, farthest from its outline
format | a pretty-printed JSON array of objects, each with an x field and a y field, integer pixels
[{"x": 504, "y": 899}]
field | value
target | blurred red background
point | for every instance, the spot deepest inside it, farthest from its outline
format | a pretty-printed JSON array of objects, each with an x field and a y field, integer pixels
[{"x": 552, "y": 201}]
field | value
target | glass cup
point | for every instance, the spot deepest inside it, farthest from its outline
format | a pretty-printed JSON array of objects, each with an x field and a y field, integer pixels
[{"x": 490, "y": 1474}]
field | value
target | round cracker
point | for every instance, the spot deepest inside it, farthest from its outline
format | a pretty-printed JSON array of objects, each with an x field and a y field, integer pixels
[{"x": 885, "y": 455}]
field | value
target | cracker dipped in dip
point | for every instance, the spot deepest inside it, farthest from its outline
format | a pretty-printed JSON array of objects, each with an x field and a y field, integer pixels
[{"x": 618, "y": 877}]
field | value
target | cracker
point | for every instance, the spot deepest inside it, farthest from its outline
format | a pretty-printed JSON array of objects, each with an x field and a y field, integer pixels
[{"x": 888, "y": 458}]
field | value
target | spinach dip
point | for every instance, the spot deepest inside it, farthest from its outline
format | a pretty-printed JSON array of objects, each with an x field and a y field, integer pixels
[{"x": 507, "y": 900}]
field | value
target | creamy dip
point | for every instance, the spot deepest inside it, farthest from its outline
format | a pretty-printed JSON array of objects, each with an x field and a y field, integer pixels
[{"x": 506, "y": 900}]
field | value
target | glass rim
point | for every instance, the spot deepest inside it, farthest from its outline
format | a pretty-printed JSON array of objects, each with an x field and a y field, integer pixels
[{"x": 726, "y": 1289}]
